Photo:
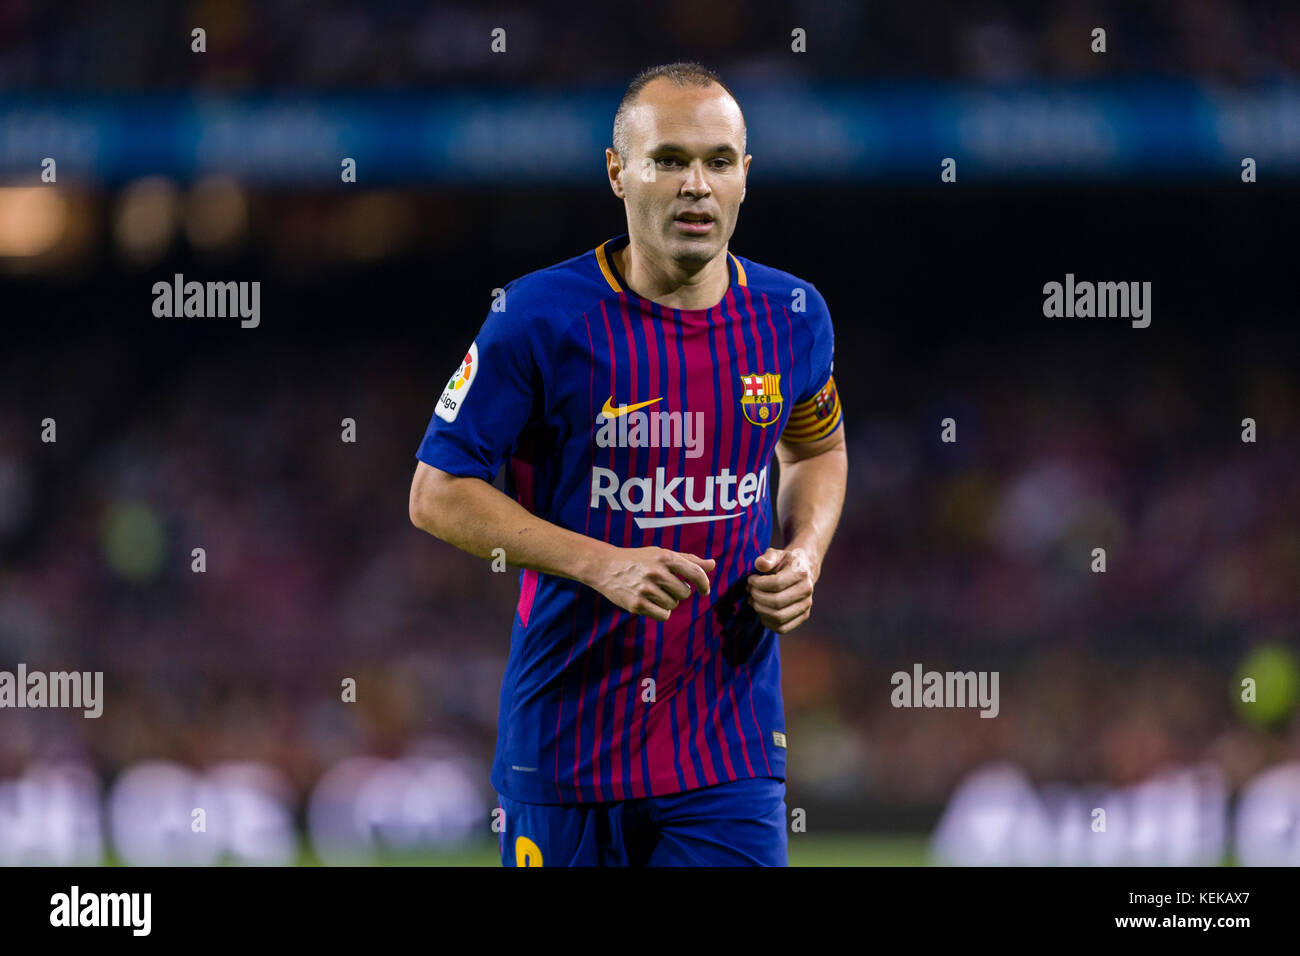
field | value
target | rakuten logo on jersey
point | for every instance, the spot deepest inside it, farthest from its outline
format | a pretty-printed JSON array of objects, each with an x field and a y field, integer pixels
[{"x": 658, "y": 495}]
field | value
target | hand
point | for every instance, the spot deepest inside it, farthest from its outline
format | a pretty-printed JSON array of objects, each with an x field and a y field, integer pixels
[
  {"x": 781, "y": 592},
  {"x": 651, "y": 581}
]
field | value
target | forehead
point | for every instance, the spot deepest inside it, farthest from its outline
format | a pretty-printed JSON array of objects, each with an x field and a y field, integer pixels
[{"x": 687, "y": 115}]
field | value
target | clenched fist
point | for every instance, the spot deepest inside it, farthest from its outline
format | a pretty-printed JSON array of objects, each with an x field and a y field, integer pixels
[{"x": 781, "y": 592}]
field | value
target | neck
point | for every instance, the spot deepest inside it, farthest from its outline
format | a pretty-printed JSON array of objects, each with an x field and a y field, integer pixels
[{"x": 670, "y": 285}]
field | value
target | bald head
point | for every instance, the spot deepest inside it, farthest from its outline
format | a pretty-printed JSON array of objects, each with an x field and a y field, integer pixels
[{"x": 681, "y": 75}]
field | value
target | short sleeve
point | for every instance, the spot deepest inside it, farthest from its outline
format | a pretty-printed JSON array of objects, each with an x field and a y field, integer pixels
[
  {"x": 816, "y": 411},
  {"x": 487, "y": 402}
]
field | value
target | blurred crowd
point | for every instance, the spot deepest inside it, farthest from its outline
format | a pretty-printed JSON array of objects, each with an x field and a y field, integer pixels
[
  {"x": 972, "y": 560},
  {"x": 324, "y": 44}
]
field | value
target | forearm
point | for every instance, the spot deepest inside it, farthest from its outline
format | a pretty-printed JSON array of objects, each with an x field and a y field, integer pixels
[
  {"x": 477, "y": 518},
  {"x": 809, "y": 502}
]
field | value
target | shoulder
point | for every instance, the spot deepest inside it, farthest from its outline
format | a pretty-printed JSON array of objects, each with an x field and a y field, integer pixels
[
  {"x": 553, "y": 296},
  {"x": 799, "y": 296}
]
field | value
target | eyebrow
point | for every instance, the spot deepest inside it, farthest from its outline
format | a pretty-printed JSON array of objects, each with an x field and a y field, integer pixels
[{"x": 675, "y": 148}]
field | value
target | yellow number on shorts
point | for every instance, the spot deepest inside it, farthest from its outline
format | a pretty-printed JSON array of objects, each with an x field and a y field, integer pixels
[{"x": 527, "y": 853}]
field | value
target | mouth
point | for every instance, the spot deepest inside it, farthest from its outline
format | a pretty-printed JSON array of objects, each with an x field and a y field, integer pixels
[{"x": 694, "y": 223}]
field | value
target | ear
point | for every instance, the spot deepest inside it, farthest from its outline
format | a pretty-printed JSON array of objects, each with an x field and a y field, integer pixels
[{"x": 614, "y": 169}]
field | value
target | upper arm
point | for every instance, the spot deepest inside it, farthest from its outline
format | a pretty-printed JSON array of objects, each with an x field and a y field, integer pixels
[
  {"x": 788, "y": 451},
  {"x": 427, "y": 487},
  {"x": 490, "y": 398},
  {"x": 815, "y": 420},
  {"x": 422, "y": 487},
  {"x": 816, "y": 423}
]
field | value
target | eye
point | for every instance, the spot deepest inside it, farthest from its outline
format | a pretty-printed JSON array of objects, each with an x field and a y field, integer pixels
[
  {"x": 721, "y": 163},
  {"x": 668, "y": 160}
]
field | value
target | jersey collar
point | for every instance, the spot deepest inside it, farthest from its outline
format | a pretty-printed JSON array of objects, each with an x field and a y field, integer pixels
[{"x": 616, "y": 281}]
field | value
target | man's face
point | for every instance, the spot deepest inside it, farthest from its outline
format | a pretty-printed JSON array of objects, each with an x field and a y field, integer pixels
[{"x": 684, "y": 176}]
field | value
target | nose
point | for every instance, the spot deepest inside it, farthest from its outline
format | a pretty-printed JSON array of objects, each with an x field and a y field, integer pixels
[{"x": 694, "y": 183}]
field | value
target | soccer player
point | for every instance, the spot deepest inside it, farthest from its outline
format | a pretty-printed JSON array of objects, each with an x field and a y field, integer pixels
[{"x": 638, "y": 393}]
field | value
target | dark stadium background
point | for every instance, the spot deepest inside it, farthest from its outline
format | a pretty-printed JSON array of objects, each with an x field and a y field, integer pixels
[{"x": 222, "y": 689}]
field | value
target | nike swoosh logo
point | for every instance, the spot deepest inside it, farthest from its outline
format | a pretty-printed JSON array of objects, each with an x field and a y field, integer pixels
[{"x": 609, "y": 411}]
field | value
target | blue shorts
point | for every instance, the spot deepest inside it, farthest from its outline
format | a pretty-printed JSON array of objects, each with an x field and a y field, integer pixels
[{"x": 739, "y": 823}]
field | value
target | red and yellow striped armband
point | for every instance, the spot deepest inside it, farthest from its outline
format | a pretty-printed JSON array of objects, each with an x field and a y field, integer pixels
[{"x": 817, "y": 417}]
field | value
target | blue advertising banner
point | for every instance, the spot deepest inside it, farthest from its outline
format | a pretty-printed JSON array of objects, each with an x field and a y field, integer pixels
[{"x": 879, "y": 132}]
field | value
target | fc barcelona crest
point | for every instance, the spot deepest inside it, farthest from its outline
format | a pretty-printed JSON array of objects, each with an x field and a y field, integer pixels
[{"x": 760, "y": 398}]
